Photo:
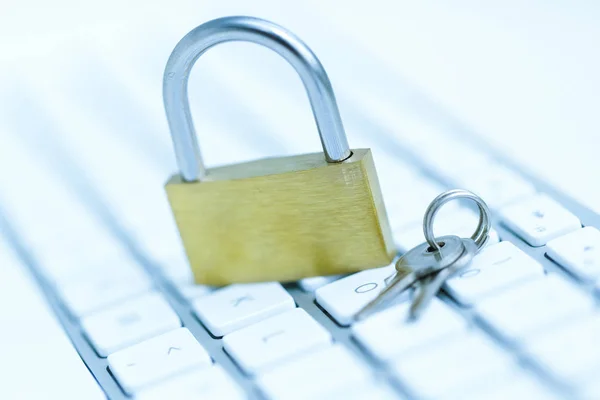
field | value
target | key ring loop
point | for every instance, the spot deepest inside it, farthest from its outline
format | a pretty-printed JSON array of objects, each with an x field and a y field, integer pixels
[{"x": 484, "y": 226}]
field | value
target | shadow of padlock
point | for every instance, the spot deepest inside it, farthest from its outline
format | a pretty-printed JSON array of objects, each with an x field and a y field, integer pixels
[{"x": 275, "y": 219}]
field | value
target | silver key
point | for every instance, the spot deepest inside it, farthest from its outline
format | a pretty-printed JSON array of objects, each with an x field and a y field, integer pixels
[
  {"x": 431, "y": 263},
  {"x": 429, "y": 286},
  {"x": 415, "y": 265}
]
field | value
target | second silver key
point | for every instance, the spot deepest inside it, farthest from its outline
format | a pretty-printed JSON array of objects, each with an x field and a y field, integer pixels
[
  {"x": 430, "y": 285},
  {"x": 418, "y": 263}
]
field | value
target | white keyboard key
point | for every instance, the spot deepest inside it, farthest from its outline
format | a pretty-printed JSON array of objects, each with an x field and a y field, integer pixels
[
  {"x": 211, "y": 383},
  {"x": 533, "y": 306},
  {"x": 373, "y": 390},
  {"x": 190, "y": 291},
  {"x": 156, "y": 359},
  {"x": 388, "y": 334},
  {"x": 318, "y": 372},
  {"x": 498, "y": 186},
  {"x": 174, "y": 266},
  {"x": 571, "y": 350},
  {"x": 578, "y": 252},
  {"x": 90, "y": 293},
  {"x": 515, "y": 385},
  {"x": 65, "y": 261},
  {"x": 449, "y": 365},
  {"x": 236, "y": 306},
  {"x": 343, "y": 298},
  {"x": 494, "y": 268},
  {"x": 260, "y": 346},
  {"x": 129, "y": 323},
  {"x": 312, "y": 284},
  {"x": 539, "y": 219}
]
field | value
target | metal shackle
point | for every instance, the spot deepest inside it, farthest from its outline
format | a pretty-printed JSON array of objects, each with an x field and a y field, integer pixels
[{"x": 255, "y": 30}]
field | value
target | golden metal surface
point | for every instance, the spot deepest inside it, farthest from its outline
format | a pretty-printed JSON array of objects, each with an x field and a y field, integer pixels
[{"x": 283, "y": 219}]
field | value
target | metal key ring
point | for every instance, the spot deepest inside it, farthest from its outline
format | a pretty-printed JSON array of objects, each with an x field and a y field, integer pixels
[{"x": 484, "y": 226}]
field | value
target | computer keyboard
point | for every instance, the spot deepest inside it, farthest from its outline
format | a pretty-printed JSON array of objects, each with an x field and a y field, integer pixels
[{"x": 84, "y": 206}]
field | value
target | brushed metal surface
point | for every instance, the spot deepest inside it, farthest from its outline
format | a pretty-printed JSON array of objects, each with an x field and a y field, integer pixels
[{"x": 323, "y": 219}]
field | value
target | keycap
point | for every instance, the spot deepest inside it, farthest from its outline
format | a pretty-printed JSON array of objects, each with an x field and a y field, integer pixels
[
  {"x": 517, "y": 384},
  {"x": 67, "y": 260},
  {"x": 96, "y": 290},
  {"x": 191, "y": 291},
  {"x": 129, "y": 322},
  {"x": 174, "y": 266},
  {"x": 493, "y": 270},
  {"x": 372, "y": 390},
  {"x": 570, "y": 350},
  {"x": 38, "y": 359},
  {"x": 262, "y": 345},
  {"x": 388, "y": 334},
  {"x": 343, "y": 298},
  {"x": 449, "y": 365},
  {"x": 315, "y": 282},
  {"x": 210, "y": 383},
  {"x": 317, "y": 372},
  {"x": 498, "y": 185},
  {"x": 532, "y": 306},
  {"x": 539, "y": 219},
  {"x": 236, "y": 306},
  {"x": 156, "y": 359},
  {"x": 578, "y": 252}
]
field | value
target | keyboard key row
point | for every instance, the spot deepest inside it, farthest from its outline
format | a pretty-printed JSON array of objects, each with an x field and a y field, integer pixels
[
  {"x": 95, "y": 290},
  {"x": 211, "y": 383},
  {"x": 493, "y": 270},
  {"x": 578, "y": 252},
  {"x": 262, "y": 345},
  {"x": 524, "y": 311},
  {"x": 129, "y": 322},
  {"x": 236, "y": 306},
  {"x": 313, "y": 283},
  {"x": 191, "y": 291},
  {"x": 517, "y": 384},
  {"x": 539, "y": 219},
  {"x": 156, "y": 359},
  {"x": 570, "y": 350},
  {"x": 388, "y": 334},
  {"x": 343, "y": 298},
  {"x": 319, "y": 374},
  {"x": 452, "y": 364}
]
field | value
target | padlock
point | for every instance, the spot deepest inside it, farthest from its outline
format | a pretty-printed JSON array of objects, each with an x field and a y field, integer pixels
[{"x": 274, "y": 219}]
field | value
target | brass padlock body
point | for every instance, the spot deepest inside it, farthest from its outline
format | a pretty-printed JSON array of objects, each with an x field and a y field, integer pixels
[{"x": 283, "y": 219}]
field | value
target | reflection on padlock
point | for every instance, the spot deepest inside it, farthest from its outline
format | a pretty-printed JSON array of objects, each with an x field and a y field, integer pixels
[{"x": 276, "y": 219}]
